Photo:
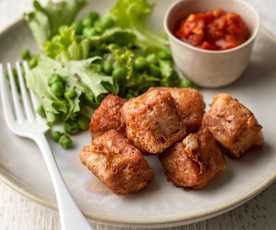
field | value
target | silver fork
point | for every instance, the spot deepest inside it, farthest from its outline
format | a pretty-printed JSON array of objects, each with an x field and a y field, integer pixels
[{"x": 19, "y": 111}]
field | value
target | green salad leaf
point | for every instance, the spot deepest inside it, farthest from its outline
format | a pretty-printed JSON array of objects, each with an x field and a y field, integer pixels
[
  {"x": 76, "y": 75},
  {"x": 85, "y": 74},
  {"x": 116, "y": 35},
  {"x": 133, "y": 15},
  {"x": 67, "y": 45},
  {"x": 45, "y": 22}
]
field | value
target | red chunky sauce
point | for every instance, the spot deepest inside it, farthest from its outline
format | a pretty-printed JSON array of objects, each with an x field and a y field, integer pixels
[{"x": 213, "y": 30}]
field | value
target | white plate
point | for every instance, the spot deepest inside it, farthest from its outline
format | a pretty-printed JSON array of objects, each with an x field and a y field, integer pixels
[{"x": 161, "y": 204}]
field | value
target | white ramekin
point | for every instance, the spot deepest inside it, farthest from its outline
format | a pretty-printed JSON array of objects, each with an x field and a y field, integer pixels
[{"x": 209, "y": 68}]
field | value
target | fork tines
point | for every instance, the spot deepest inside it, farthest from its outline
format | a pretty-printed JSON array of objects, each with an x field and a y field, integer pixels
[{"x": 19, "y": 103}]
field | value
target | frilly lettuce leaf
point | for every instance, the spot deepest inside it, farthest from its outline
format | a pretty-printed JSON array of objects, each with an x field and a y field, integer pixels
[
  {"x": 115, "y": 35},
  {"x": 66, "y": 45},
  {"x": 76, "y": 74},
  {"x": 45, "y": 22},
  {"x": 133, "y": 15}
]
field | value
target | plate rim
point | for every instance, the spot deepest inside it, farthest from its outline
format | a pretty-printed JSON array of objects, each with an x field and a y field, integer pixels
[{"x": 7, "y": 178}]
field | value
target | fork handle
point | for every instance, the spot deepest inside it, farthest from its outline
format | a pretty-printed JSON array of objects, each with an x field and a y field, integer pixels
[{"x": 71, "y": 217}]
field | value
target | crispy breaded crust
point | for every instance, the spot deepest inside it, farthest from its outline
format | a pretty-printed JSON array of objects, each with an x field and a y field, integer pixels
[
  {"x": 190, "y": 106},
  {"x": 233, "y": 125},
  {"x": 108, "y": 116},
  {"x": 118, "y": 164},
  {"x": 152, "y": 121},
  {"x": 194, "y": 162}
]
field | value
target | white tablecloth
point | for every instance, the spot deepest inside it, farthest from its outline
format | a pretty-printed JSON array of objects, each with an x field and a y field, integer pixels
[{"x": 19, "y": 213}]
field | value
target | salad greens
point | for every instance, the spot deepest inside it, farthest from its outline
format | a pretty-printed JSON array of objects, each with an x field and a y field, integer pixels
[
  {"x": 82, "y": 61},
  {"x": 133, "y": 15},
  {"x": 46, "y": 21},
  {"x": 60, "y": 86}
]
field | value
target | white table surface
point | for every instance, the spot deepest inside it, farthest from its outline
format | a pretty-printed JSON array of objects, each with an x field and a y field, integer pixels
[{"x": 19, "y": 213}]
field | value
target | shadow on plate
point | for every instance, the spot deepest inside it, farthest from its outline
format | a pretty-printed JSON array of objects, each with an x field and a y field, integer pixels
[{"x": 256, "y": 155}]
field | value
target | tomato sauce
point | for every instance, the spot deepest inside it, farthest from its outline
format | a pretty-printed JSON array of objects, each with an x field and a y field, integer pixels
[{"x": 213, "y": 30}]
